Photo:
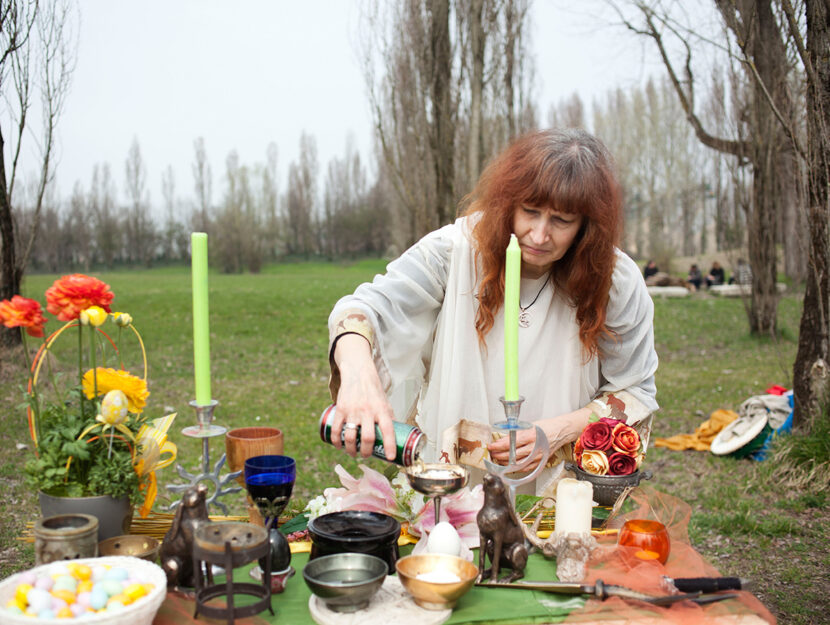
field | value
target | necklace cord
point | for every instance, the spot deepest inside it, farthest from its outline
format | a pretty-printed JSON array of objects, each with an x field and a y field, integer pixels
[{"x": 544, "y": 284}]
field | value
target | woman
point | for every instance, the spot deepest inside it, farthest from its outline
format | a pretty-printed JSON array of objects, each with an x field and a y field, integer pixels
[{"x": 432, "y": 328}]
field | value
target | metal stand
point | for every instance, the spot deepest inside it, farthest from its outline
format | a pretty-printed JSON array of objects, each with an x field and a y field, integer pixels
[
  {"x": 512, "y": 425},
  {"x": 205, "y": 429}
]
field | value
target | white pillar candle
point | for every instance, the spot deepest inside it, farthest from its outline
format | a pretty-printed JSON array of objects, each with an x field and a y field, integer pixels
[{"x": 574, "y": 501}]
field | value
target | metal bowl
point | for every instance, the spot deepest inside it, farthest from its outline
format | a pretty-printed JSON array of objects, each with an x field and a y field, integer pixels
[
  {"x": 436, "y": 595},
  {"x": 437, "y": 479},
  {"x": 144, "y": 547},
  {"x": 608, "y": 488},
  {"x": 345, "y": 581}
]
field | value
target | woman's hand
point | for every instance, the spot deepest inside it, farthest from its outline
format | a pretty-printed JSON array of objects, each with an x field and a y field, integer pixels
[
  {"x": 360, "y": 400},
  {"x": 559, "y": 431}
]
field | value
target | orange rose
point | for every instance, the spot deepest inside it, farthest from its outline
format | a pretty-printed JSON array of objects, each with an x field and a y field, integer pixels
[
  {"x": 625, "y": 439},
  {"x": 594, "y": 461},
  {"x": 67, "y": 297},
  {"x": 578, "y": 449},
  {"x": 22, "y": 312}
]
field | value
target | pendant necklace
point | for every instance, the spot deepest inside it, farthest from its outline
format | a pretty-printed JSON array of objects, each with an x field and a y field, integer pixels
[{"x": 524, "y": 316}]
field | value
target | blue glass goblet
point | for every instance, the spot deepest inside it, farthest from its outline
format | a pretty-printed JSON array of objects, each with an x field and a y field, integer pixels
[{"x": 269, "y": 481}]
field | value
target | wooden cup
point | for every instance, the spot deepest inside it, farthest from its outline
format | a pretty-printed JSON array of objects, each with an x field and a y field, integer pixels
[{"x": 244, "y": 443}]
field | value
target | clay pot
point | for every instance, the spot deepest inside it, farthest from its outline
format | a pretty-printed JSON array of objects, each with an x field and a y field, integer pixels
[{"x": 244, "y": 443}]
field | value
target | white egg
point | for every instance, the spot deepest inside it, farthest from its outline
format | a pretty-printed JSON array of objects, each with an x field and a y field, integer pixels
[{"x": 444, "y": 539}]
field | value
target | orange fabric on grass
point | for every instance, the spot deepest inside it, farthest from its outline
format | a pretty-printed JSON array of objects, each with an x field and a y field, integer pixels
[{"x": 703, "y": 436}]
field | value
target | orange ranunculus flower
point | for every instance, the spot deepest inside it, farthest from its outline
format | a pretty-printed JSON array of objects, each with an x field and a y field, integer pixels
[
  {"x": 111, "y": 379},
  {"x": 22, "y": 312},
  {"x": 69, "y": 295}
]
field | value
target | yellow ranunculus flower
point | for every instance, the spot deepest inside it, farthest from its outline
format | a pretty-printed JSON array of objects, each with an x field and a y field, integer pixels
[
  {"x": 122, "y": 319},
  {"x": 594, "y": 461},
  {"x": 94, "y": 316},
  {"x": 110, "y": 379}
]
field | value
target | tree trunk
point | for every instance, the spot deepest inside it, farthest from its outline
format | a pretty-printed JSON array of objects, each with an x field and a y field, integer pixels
[
  {"x": 9, "y": 275},
  {"x": 477, "y": 45},
  {"x": 810, "y": 371},
  {"x": 443, "y": 126}
]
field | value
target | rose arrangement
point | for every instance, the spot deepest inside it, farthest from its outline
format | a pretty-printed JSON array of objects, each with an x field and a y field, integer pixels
[
  {"x": 608, "y": 447},
  {"x": 93, "y": 437}
]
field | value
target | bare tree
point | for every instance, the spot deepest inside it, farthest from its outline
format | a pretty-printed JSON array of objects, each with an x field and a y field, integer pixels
[
  {"x": 37, "y": 49},
  {"x": 301, "y": 201},
  {"x": 139, "y": 227},
  {"x": 202, "y": 184}
]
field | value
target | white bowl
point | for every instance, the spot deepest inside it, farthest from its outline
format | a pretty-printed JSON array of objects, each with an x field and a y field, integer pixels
[{"x": 141, "y": 612}]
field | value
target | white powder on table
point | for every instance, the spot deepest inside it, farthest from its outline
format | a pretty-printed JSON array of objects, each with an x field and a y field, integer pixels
[{"x": 438, "y": 577}]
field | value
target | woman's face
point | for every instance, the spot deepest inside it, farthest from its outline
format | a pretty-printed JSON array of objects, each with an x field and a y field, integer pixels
[{"x": 544, "y": 236}]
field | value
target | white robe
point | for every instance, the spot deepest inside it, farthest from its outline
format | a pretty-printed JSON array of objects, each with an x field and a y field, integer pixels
[{"x": 425, "y": 346}]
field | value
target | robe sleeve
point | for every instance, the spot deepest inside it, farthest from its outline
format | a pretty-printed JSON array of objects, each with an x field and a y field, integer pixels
[
  {"x": 397, "y": 311},
  {"x": 628, "y": 360}
]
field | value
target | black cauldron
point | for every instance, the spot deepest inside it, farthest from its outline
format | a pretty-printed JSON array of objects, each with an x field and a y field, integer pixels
[{"x": 356, "y": 531}]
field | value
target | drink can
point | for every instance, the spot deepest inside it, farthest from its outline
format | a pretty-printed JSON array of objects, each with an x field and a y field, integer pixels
[{"x": 409, "y": 440}]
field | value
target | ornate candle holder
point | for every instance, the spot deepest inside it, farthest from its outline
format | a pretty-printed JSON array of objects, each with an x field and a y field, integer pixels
[
  {"x": 205, "y": 429},
  {"x": 512, "y": 426}
]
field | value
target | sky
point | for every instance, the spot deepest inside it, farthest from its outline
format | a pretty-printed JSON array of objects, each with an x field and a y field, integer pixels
[{"x": 247, "y": 73}]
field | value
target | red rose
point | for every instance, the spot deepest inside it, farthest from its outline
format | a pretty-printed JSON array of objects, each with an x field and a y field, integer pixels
[
  {"x": 625, "y": 439},
  {"x": 22, "y": 312},
  {"x": 621, "y": 464},
  {"x": 70, "y": 295},
  {"x": 596, "y": 435},
  {"x": 578, "y": 448}
]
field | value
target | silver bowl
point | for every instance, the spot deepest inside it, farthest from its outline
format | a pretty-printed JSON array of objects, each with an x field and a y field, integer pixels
[
  {"x": 345, "y": 581},
  {"x": 608, "y": 488},
  {"x": 437, "y": 479}
]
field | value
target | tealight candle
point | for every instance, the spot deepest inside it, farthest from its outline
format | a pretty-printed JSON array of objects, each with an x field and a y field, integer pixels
[{"x": 574, "y": 501}]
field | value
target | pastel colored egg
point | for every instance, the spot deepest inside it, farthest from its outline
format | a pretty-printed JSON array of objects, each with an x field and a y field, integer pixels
[
  {"x": 81, "y": 571},
  {"x": 98, "y": 598},
  {"x": 98, "y": 572},
  {"x": 46, "y": 614},
  {"x": 84, "y": 586},
  {"x": 27, "y": 577},
  {"x": 115, "y": 606},
  {"x": 14, "y": 610},
  {"x": 78, "y": 609},
  {"x": 112, "y": 587},
  {"x": 135, "y": 591},
  {"x": 38, "y": 599},
  {"x": 122, "y": 599},
  {"x": 22, "y": 591},
  {"x": 67, "y": 596},
  {"x": 65, "y": 582},
  {"x": 119, "y": 574},
  {"x": 16, "y": 604},
  {"x": 83, "y": 598},
  {"x": 44, "y": 583},
  {"x": 65, "y": 613}
]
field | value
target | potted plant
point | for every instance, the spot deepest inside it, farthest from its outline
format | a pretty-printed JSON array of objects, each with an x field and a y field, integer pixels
[{"x": 95, "y": 450}]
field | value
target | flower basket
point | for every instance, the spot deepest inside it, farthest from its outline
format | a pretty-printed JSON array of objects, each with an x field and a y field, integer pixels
[{"x": 609, "y": 488}]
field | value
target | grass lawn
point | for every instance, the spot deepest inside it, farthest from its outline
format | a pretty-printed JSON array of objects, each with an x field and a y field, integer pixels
[{"x": 269, "y": 366}]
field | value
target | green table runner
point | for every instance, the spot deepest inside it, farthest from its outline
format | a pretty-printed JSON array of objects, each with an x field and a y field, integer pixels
[{"x": 480, "y": 605}]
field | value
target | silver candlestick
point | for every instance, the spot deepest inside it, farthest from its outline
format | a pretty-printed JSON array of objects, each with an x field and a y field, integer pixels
[
  {"x": 512, "y": 425},
  {"x": 206, "y": 429}
]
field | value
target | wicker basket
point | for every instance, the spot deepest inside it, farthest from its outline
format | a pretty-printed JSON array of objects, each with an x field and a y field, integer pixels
[
  {"x": 141, "y": 612},
  {"x": 608, "y": 488}
]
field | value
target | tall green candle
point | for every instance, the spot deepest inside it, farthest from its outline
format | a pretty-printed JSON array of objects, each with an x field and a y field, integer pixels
[
  {"x": 201, "y": 324},
  {"x": 512, "y": 275}
]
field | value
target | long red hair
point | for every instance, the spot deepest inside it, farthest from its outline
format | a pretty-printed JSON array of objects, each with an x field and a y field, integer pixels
[{"x": 569, "y": 171}]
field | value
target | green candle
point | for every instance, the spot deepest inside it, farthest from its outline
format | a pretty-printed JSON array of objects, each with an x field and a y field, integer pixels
[
  {"x": 512, "y": 275},
  {"x": 201, "y": 325}
]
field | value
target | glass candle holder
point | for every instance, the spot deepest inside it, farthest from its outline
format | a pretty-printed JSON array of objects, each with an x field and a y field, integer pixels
[{"x": 648, "y": 540}]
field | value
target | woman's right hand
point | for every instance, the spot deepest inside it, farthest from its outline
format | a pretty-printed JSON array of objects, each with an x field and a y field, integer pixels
[{"x": 361, "y": 401}]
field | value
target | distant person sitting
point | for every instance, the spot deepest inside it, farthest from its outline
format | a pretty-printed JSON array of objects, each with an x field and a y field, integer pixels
[
  {"x": 716, "y": 275},
  {"x": 650, "y": 269},
  {"x": 695, "y": 277},
  {"x": 743, "y": 273}
]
